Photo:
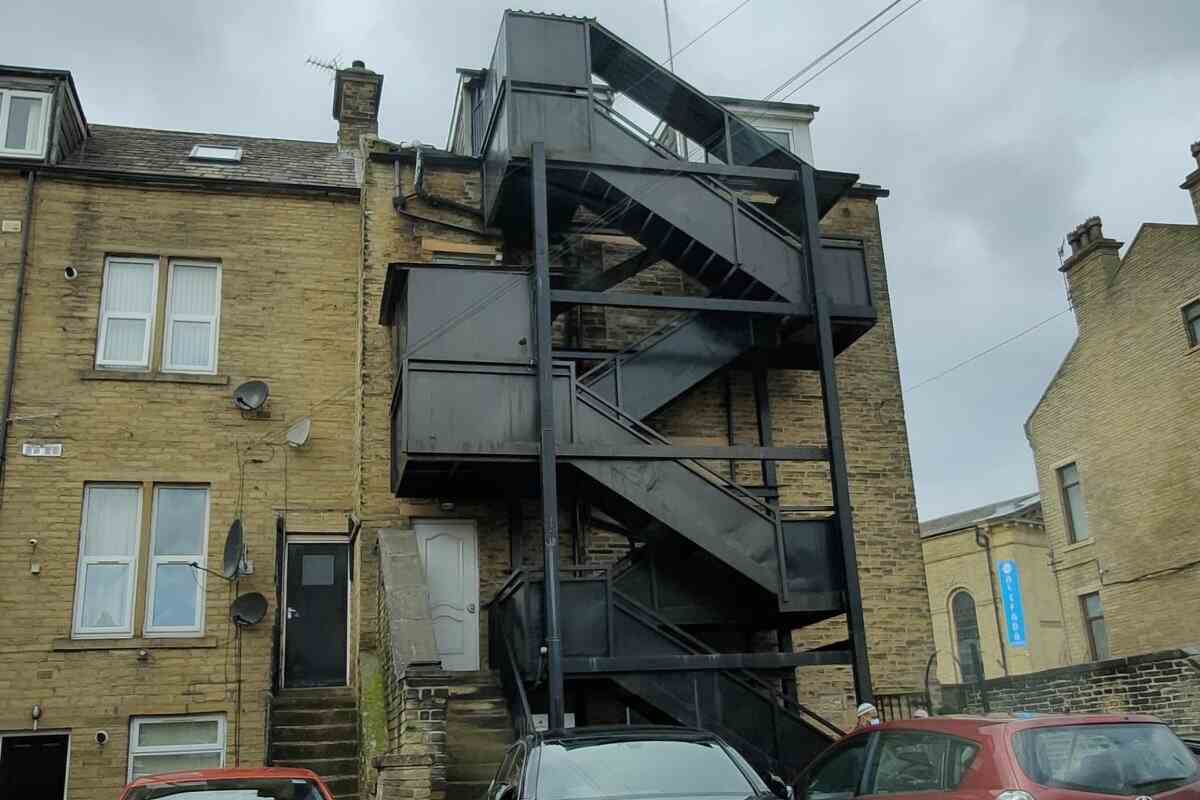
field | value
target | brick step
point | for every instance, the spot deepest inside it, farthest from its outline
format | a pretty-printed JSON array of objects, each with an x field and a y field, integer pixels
[
  {"x": 312, "y": 716},
  {"x": 292, "y": 751},
  {"x": 472, "y": 770},
  {"x": 322, "y": 766},
  {"x": 313, "y": 733},
  {"x": 340, "y": 697},
  {"x": 466, "y": 790}
]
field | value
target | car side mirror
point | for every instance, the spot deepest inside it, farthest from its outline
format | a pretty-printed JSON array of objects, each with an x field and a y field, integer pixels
[{"x": 779, "y": 788}]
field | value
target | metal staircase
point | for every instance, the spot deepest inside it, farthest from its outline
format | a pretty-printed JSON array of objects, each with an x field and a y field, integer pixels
[{"x": 477, "y": 411}]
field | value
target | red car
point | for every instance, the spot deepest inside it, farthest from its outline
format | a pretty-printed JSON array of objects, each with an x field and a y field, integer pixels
[
  {"x": 275, "y": 783},
  {"x": 1077, "y": 757}
]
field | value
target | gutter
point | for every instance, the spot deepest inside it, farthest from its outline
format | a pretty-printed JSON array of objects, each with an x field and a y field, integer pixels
[
  {"x": 15, "y": 330},
  {"x": 985, "y": 541}
]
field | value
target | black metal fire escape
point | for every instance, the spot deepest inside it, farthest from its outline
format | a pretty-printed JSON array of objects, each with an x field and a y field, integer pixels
[{"x": 480, "y": 401}]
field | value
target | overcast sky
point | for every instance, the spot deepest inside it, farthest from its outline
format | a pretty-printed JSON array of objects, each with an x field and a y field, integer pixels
[{"x": 997, "y": 124}]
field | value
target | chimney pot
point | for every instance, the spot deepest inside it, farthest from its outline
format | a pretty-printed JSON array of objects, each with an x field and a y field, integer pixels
[
  {"x": 358, "y": 63},
  {"x": 1094, "y": 230},
  {"x": 1196, "y": 152}
]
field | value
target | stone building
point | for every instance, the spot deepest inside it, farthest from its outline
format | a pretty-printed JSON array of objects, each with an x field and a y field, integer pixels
[
  {"x": 147, "y": 275},
  {"x": 991, "y": 589},
  {"x": 1114, "y": 437}
]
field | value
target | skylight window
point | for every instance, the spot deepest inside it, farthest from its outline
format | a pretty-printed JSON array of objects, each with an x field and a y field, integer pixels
[{"x": 214, "y": 152}]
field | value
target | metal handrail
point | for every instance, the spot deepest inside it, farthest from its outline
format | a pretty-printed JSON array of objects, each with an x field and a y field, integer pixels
[
  {"x": 745, "y": 678},
  {"x": 608, "y": 364},
  {"x": 763, "y": 218},
  {"x": 640, "y": 428},
  {"x": 511, "y": 682}
]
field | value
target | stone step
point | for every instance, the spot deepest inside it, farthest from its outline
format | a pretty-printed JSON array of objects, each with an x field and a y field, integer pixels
[
  {"x": 295, "y": 751},
  {"x": 312, "y": 716},
  {"x": 466, "y": 790},
  {"x": 478, "y": 720},
  {"x": 471, "y": 747},
  {"x": 313, "y": 733},
  {"x": 476, "y": 692},
  {"x": 342, "y": 785},
  {"x": 340, "y": 697},
  {"x": 471, "y": 770},
  {"x": 322, "y": 766}
]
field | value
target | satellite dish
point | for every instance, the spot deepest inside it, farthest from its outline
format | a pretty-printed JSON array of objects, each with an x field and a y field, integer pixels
[
  {"x": 248, "y": 609},
  {"x": 251, "y": 395},
  {"x": 297, "y": 435},
  {"x": 231, "y": 566}
]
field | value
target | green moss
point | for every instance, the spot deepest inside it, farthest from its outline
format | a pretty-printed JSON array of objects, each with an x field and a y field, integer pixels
[{"x": 372, "y": 713}]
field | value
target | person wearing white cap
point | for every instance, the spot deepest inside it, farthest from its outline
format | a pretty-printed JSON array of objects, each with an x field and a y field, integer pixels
[{"x": 868, "y": 717}]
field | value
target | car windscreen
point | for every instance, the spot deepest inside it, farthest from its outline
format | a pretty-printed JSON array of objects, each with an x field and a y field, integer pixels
[
  {"x": 1126, "y": 758},
  {"x": 231, "y": 789},
  {"x": 638, "y": 769}
]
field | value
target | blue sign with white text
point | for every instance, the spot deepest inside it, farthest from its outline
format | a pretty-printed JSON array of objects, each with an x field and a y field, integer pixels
[{"x": 1014, "y": 609}]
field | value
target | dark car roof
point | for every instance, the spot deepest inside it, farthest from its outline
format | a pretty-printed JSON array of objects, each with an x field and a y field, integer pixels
[{"x": 627, "y": 732}]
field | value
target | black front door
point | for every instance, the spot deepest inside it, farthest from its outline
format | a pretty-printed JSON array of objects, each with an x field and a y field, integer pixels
[
  {"x": 315, "y": 614},
  {"x": 33, "y": 766}
]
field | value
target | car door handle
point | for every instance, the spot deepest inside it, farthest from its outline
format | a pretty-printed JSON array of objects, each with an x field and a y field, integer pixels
[
  {"x": 470, "y": 608},
  {"x": 292, "y": 613}
]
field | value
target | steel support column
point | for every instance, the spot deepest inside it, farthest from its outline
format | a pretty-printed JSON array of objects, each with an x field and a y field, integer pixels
[
  {"x": 549, "y": 473},
  {"x": 838, "y": 474}
]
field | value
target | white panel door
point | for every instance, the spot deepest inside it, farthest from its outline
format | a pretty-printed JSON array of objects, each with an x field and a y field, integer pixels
[{"x": 449, "y": 554}]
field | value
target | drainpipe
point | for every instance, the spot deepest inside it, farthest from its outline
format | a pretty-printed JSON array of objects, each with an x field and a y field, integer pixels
[
  {"x": 18, "y": 306},
  {"x": 985, "y": 541},
  {"x": 399, "y": 200}
]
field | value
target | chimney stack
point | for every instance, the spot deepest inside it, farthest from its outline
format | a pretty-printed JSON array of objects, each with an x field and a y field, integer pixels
[
  {"x": 1092, "y": 265},
  {"x": 1192, "y": 182},
  {"x": 356, "y": 94}
]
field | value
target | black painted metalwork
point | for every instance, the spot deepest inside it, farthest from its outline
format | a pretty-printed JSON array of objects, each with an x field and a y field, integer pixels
[
  {"x": 480, "y": 407},
  {"x": 547, "y": 459}
]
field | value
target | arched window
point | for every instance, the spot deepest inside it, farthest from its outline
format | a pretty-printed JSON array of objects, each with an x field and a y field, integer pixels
[{"x": 966, "y": 634}]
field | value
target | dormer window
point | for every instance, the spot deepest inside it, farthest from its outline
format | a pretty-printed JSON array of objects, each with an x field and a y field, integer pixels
[
  {"x": 214, "y": 152},
  {"x": 24, "y": 118}
]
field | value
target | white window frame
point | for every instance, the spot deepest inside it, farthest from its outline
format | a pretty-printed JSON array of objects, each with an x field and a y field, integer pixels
[
  {"x": 144, "y": 364},
  {"x": 791, "y": 145},
  {"x": 40, "y": 131},
  {"x": 214, "y": 319},
  {"x": 135, "y": 724},
  {"x": 78, "y": 631},
  {"x": 148, "y": 627}
]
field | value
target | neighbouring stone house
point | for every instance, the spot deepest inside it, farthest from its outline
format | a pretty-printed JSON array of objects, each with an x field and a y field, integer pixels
[
  {"x": 1114, "y": 436},
  {"x": 991, "y": 589},
  {"x": 146, "y": 275}
]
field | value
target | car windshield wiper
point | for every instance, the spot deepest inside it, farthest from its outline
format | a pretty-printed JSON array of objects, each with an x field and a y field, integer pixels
[{"x": 1156, "y": 781}]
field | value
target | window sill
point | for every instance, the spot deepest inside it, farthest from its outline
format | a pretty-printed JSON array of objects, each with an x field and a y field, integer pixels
[
  {"x": 1078, "y": 545},
  {"x": 192, "y": 643},
  {"x": 152, "y": 377}
]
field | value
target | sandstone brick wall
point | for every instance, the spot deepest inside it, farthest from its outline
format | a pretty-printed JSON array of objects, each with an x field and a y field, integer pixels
[
  {"x": 1125, "y": 407},
  {"x": 1165, "y": 684},
  {"x": 287, "y": 317}
]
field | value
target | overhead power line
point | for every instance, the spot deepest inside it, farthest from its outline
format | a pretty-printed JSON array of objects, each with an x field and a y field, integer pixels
[
  {"x": 822, "y": 57},
  {"x": 864, "y": 40}
]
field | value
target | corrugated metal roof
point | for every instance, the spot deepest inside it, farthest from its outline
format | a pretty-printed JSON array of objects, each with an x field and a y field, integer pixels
[
  {"x": 145, "y": 151},
  {"x": 974, "y": 516}
]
